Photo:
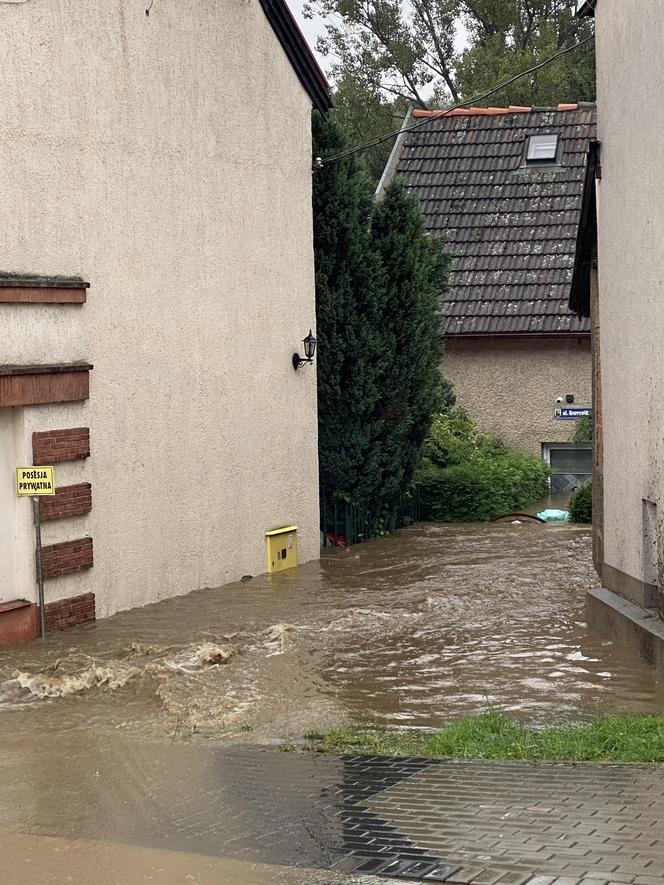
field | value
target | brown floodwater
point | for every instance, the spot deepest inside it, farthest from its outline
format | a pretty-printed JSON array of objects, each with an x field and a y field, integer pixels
[
  {"x": 416, "y": 629},
  {"x": 30, "y": 860},
  {"x": 119, "y": 756}
]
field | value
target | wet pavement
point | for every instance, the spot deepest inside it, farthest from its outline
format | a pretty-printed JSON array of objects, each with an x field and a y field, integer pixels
[
  {"x": 53, "y": 861},
  {"x": 284, "y": 814},
  {"x": 147, "y": 730}
]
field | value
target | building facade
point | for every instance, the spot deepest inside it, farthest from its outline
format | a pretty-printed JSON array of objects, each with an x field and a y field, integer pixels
[
  {"x": 501, "y": 188},
  {"x": 619, "y": 280},
  {"x": 157, "y": 259}
]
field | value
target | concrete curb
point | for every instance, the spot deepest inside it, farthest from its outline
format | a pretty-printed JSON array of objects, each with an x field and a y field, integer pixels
[{"x": 634, "y": 628}]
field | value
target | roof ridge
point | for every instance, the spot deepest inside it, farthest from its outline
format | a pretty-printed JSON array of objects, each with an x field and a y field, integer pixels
[{"x": 491, "y": 111}]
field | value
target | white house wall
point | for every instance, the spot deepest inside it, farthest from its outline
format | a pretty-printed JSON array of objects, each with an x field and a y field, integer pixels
[
  {"x": 630, "y": 36},
  {"x": 167, "y": 160}
]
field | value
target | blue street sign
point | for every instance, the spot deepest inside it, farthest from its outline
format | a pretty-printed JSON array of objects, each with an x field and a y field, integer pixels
[{"x": 572, "y": 413}]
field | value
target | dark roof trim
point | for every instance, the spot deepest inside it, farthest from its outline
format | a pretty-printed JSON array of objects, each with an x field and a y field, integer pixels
[
  {"x": 45, "y": 368},
  {"x": 586, "y": 239},
  {"x": 299, "y": 55},
  {"x": 39, "y": 281},
  {"x": 586, "y": 7},
  {"x": 515, "y": 336}
]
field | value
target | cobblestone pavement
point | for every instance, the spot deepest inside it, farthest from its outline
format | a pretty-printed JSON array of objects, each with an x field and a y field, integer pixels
[{"x": 456, "y": 821}]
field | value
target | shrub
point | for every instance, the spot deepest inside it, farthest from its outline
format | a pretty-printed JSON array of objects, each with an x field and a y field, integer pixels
[
  {"x": 469, "y": 476},
  {"x": 581, "y": 504},
  {"x": 584, "y": 430}
]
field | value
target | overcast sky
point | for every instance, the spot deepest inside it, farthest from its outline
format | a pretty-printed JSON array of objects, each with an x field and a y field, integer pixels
[{"x": 311, "y": 28}]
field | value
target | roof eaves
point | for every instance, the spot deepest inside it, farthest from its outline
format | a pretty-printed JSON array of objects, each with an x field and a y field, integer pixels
[
  {"x": 299, "y": 54},
  {"x": 494, "y": 112},
  {"x": 586, "y": 7},
  {"x": 586, "y": 241},
  {"x": 580, "y": 334},
  {"x": 393, "y": 160}
]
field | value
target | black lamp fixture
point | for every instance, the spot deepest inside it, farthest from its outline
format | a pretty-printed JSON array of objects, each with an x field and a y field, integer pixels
[{"x": 309, "y": 351}]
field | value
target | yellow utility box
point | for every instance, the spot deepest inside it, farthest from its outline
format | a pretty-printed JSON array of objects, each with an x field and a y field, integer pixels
[{"x": 281, "y": 548}]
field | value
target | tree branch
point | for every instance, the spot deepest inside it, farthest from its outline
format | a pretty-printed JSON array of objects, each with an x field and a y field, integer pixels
[{"x": 424, "y": 12}]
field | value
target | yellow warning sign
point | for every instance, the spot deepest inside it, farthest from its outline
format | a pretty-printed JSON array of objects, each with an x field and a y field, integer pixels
[{"x": 33, "y": 481}]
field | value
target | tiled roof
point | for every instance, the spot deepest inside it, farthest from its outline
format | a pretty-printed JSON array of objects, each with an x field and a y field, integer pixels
[{"x": 510, "y": 227}]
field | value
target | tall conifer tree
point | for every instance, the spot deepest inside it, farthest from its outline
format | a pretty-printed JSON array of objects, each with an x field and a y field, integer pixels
[
  {"x": 413, "y": 273},
  {"x": 349, "y": 309},
  {"x": 379, "y": 278}
]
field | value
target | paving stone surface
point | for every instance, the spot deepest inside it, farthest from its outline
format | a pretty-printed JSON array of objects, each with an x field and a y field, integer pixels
[
  {"x": 461, "y": 822},
  {"x": 498, "y": 823}
]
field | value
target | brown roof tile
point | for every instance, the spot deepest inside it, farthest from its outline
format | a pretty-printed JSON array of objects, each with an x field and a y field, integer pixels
[{"x": 510, "y": 227}]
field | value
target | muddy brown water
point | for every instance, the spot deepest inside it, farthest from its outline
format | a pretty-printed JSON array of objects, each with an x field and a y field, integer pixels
[
  {"x": 112, "y": 736},
  {"x": 416, "y": 629}
]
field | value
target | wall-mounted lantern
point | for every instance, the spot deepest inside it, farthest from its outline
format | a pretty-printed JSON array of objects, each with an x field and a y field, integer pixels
[{"x": 309, "y": 351}]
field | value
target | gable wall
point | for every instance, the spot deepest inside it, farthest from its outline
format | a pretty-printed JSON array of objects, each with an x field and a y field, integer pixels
[
  {"x": 510, "y": 387},
  {"x": 166, "y": 159}
]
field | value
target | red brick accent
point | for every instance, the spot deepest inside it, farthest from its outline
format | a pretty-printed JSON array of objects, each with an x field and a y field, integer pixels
[
  {"x": 53, "y": 446},
  {"x": 67, "y": 501},
  {"x": 30, "y": 388},
  {"x": 19, "y": 620},
  {"x": 41, "y": 295},
  {"x": 66, "y": 613},
  {"x": 67, "y": 557}
]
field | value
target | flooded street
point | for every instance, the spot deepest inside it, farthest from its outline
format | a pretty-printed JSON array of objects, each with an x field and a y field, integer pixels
[
  {"x": 137, "y": 744},
  {"x": 430, "y": 624}
]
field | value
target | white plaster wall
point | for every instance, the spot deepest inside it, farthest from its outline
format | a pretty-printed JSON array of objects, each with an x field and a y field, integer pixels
[
  {"x": 166, "y": 159},
  {"x": 630, "y": 36},
  {"x": 510, "y": 387},
  {"x": 16, "y": 535},
  {"x": 40, "y": 333}
]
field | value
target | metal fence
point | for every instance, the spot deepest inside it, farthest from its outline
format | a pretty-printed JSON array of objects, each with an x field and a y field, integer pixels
[{"x": 344, "y": 523}]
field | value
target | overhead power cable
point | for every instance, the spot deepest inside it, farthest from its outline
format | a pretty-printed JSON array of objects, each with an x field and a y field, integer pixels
[{"x": 462, "y": 104}]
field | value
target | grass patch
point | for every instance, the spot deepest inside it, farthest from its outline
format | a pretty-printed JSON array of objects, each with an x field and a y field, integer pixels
[{"x": 491, "y": 735}]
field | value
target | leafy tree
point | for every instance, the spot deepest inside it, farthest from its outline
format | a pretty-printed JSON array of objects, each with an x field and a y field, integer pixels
[
  {"x": 364, "y": 115},
  {"x": 510, "y": 36},
  {"x": 388, "y": 53}
]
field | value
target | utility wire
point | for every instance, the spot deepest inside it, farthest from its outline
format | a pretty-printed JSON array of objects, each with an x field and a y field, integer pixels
[{"x": 471, "y": 101}]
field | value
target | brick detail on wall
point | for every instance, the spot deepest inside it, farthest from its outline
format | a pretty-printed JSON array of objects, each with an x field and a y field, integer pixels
[
  {"x": 30, "y": 386},
  {"x": 41, "y": 295},
  {"x": 41, "y": 289},
  {"x": 66, "y": 613},
  {"x": 67, "y": 557},
  {"x": 67, "y": 501},
  {"x": 54, "y": 446}
]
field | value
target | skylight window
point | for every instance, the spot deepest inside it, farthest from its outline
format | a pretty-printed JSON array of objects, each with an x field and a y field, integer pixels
[{"x": 542, "y": 149}]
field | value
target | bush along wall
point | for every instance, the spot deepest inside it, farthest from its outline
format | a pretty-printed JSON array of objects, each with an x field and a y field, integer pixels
[
  {"x": 581, "y": 505},
  {"x": 469, "y": 476}
]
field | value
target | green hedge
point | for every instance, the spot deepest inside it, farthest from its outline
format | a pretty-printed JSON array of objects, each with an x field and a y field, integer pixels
[
  {"x": 581, "y": 505},
  {"x": 584, "y": 430},
  {"x": 469, "y": 476}
]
